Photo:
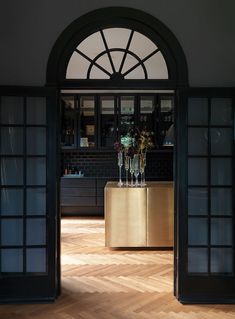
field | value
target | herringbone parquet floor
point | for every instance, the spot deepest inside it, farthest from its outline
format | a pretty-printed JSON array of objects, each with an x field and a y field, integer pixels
[{"x": 100, "y": 283}]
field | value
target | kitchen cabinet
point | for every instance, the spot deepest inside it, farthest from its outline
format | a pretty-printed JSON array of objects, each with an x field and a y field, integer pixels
[
  {"x": 96, "y": 121},
  {"x": 139, "y": 216}
]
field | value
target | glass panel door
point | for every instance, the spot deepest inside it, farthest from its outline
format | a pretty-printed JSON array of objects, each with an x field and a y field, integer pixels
[
  {"x": 28, "y": 199},
  {"x": 206, "y": 210},
  {"x": 127, "y": 117},
  {"x": 107, "y": 121},
  {"x": 87, "y": 122}
]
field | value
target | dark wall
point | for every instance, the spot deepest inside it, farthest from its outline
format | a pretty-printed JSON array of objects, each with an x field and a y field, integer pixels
[{"x": 205, "y": 29}]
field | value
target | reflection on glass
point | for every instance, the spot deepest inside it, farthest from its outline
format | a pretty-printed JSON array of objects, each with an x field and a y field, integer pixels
[
  {"x": 36, "y": 260},
  {"x": 147, "y": 110},
  {"x": 166, "y": 120},
  {"x": 36, "y": 231},
  {"x": 221, "y": 201},
  {"x": 221, "y": 141},
  {"x": 68, "y": 121},
  {"x": 197, "y": 231},
  {"x": 12, "y": 260},
  {"x": 221, "y": 231},
  {"x": 11, "y": 232},
  {"x": 197, "y": 141},
  {"x": 11, "y": 171},
  {"x": 221, "y": 260},
  {"x": 127, "y": 116},
  {"x": 221, "y": 111},
  {"x": 87, "y": 121},
  {"x": 197, "y": 260},
  {"x": 197, "y": 111},
  {"x": 36, "y": 110},
  {"x": 221, "y": 171},
  {"x": 36, "y": 140},
  {"x": 12, "y": 110},
  {"x": 11, "y": 141},
  {"x": 197, "y": 171},
  {"x": 107, "y": 121},
  {"x": 197, "y": 201},
  {"x": 12, "y": 201}
]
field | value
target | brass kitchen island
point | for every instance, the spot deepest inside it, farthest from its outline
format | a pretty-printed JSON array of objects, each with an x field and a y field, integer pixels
[{"x": 139, "y": 216}]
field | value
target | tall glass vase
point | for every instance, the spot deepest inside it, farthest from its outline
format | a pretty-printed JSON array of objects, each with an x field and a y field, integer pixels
[
  {"x": 120, "y": 163},
  {"x": 136, "y": 168},
  {"x": 126, "y": 165},
  {"x": 132, "y": 170},
  {"x": 142, "y": 168}
]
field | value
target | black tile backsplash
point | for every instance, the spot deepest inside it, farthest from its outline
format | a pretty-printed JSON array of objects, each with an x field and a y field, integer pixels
[{"x": 99, "y": 164}]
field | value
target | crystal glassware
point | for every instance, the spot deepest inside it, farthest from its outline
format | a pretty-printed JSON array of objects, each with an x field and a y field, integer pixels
[
  {"x": 120, "y": 163},
  {"x": 136, "y": 168},
  {"x": 132, "y": 170},
  {"x": 142, "y": 166},
  {"x": 126, "y": 165}
]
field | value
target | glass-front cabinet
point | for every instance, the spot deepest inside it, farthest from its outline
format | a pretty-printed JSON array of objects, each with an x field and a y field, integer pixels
[
  {"x": 87, "y": 122},
  {"x": 96, "y": 121},
  {"x": 108, "y": 125}
]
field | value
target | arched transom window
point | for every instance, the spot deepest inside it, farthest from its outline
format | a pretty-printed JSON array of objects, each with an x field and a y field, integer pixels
[{"x": 118, "y": 54}]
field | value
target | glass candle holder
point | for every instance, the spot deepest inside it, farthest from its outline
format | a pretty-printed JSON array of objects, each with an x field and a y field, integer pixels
[{"x": 136, "y": 168}]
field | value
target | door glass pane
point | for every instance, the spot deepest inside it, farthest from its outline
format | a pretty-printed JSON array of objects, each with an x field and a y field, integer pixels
[
  {"x": 12, "y": 201},
  {"x": 36, "y": 260},
  {"x": 36, "y": 140},
  {"x": 11, "y": 171},
  {"x": 221, "y": 201},
  {"x": 11, "y": 141},
  {"x": 36, "y": 231},
  {"x": 221, "y": 231},
  {"x": 107, "y": 120},
  {"x": 36, "y": 201},
  {"x": 197, "y": 231},
  {"x": 127, "y": 116},
  {"x": 198, "y": 111},
  {"x": 197, "y": 141},
  {"x": 197, "y": 260},
  {"x": 12, "y": 110},
  {"x": 197, "y": 201},
  {"x": 36, "y": 110},
  {"x": 222, "y": 260},
  {"x": 12, "y": 260},
  {"x": 36, "y": 171},
  {"x": 147, "y": 111},
  {"x": 221, "y": 141},
  {"x": 87, "y": 121},
  {"x": 11, "y": 232},
  {"x": 221, "y": 111},
  {"x": 221, "y": 171},
  {"x": 197, "y": 171}
]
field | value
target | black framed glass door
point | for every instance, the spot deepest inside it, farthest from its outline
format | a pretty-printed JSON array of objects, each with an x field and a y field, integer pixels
[
  {"x": 28, "y": 193},
  {"x": 205, "y": 196}
]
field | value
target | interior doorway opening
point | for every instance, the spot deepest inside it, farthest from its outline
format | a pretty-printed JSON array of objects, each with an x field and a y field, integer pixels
[{"x": 116, "y": 63}]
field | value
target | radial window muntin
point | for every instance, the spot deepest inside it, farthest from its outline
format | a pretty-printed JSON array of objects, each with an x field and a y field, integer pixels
[{"x": 144, "y": 62}]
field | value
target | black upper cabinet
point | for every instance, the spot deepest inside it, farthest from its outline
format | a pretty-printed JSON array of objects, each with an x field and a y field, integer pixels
[{"x": 96, "y": 121}]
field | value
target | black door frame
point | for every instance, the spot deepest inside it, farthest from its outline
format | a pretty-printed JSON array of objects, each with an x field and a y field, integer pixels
[{"x": 145, "y": 24}]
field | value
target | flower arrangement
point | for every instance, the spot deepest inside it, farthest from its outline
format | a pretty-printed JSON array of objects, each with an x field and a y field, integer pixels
[{"x": 135, "y": 142}]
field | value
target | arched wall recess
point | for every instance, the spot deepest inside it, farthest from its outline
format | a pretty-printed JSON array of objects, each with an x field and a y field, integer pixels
[{"x": 70, "y": 50}]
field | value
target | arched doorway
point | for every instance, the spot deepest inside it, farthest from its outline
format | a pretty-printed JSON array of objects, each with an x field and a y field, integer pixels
[{"x": 71, "y": 65}]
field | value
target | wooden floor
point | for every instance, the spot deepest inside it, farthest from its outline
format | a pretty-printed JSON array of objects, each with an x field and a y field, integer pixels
[{"x": 100, "y": 283}]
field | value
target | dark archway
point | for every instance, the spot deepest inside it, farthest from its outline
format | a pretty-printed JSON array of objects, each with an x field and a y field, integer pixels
[{"x": 118, "y": 17}]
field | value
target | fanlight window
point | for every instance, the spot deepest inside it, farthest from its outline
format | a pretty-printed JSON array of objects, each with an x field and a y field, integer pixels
[{"x": 117, "y": 53}]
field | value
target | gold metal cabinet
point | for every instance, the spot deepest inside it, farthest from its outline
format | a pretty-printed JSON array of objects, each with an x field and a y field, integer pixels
[
  {"x": 125, "y": 216},
  {"x": 139, "y": 216},
  {"x": 160, "y": 214}
]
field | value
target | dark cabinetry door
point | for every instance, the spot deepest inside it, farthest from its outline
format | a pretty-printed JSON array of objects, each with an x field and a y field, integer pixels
[
  {"x": 205, "y": 196},
  {"x": 28, "y": 207}
]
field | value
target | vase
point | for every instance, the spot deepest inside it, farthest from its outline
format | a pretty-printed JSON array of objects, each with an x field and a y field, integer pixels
[
  {"x": 142, "y": 168},
  {"x": 120, "y": 163}
]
